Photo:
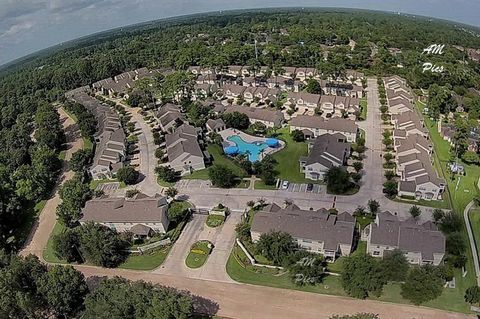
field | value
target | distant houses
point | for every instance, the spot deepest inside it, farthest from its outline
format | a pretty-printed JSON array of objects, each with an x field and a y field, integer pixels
[
  {"x": 142, "y": 215},
  {"x": 421, "y": 243},
  {"x": 268, "y": 117},
  {"x": 316, "y": 231}
]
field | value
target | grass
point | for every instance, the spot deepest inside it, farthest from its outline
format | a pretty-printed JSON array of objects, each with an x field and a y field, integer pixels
[
  {"x": 163, "y": 183},
  {"x": 288, "y": 165},
  {"x": 239, "y": 270},
  {"x": 49, "y": 253},
  {"x": 443, "y": 204},
  {"x": 460, "y": 191},
  {"x": 94, "y": 183},
  {"x": 363, "y": 109},
  {"x": 337, "y": 266},
  {"x": 218, "y": 158},
  {"x": 214, "y": 220},
  {"x": 178, "y": 206},
  {"x": 474, "y": 216},
  {"x": 198, "y": 254},
  {"x": 261, "y": 185},
  {"x": 147, "y": 261}
]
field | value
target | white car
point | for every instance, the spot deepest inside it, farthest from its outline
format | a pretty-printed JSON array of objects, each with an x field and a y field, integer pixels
[{"x": 285, "y": 184}]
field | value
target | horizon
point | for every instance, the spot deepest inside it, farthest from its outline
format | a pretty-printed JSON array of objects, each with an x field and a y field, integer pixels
[{"x": 11, "y": 51}]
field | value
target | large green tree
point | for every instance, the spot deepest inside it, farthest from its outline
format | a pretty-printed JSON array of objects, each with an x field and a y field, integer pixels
[
  {"x": 362, "y": 276},
  {"x": 422, "y": 284}
]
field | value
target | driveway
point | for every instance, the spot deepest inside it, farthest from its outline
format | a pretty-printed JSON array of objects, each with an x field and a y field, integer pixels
[{"x": 223, "y": 239}]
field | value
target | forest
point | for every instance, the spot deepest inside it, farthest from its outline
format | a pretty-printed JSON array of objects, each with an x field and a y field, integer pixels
[{"x": 30, "y": 130}]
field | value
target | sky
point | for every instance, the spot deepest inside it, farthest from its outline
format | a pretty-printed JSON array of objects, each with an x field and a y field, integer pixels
[{"x": 27, "y": 26}]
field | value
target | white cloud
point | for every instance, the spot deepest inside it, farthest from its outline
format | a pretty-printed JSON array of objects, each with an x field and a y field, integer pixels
[{"x": 16, "y": 29}]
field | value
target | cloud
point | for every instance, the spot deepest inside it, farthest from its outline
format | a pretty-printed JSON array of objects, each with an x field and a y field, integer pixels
[
  {"x": 16, "y": 29},
  {"x": 66, "y": 6}
]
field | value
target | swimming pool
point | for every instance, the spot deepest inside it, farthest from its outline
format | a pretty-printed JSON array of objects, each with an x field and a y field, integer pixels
[{"x": 253, "y": 150}]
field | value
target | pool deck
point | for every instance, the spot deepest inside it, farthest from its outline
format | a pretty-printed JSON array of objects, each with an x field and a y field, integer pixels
[{"x": 249, "y": 139}]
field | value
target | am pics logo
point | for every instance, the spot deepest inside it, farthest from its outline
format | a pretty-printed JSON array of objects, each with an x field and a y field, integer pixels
[
  {"x": 301, "y": 278},
  {"x": 433, "y": 49}
]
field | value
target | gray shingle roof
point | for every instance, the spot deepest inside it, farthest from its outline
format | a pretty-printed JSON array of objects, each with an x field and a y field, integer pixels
[{"x": 314, "y": 225}]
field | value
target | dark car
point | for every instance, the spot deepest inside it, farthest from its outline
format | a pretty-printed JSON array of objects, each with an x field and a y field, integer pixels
[{"x": 309, "y": 187}]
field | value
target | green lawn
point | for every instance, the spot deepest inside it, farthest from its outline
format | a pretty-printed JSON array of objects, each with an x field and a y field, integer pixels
[
  {"x": 218, "y": 158},
  {"x": 198, "y": 254},
  {"x": 363, "y": 109},
  {"x": 239, "y": 270},
  {"x": 148, "y": 261},
  {"x": 474, "y": 216},
  {"x": 337, "y": 266},
  {"x": 288, "y": 166},
  {"x": 214, "y": 220},
  {"x": 48, "y": 253},
  {"x": 444, "y": 204},
  {"x": 261, "y": 185},
  {"x": 461, "y": 190}
]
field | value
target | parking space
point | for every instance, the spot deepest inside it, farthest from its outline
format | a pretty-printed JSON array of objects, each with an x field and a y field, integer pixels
[
  {"x": 108, "y": 188},
  {"x": 303, "y": 188},
  {"x": 192, "y": 183}
]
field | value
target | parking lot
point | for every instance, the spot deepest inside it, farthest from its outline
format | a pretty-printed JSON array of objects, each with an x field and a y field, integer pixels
[
  {"x": 302, "y": 188},
  {"x": 193, "y": 183},
  {"x": 108, "y": 188}
]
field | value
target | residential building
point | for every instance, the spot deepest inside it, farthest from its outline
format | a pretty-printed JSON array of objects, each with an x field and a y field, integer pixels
[
  {"x": 314, "y": 126},
  {"x": 169, "y": 116},
  {"x": 183, "y": 150},
  {"x": 215, "y": 126},
  {"x": 268, "y": 117},
  {"x": 141, "y": 215},
  {"x": 421, "y": 243},
  {"x": 316, "y": 231},
  {"x": 325, "y": 152}
]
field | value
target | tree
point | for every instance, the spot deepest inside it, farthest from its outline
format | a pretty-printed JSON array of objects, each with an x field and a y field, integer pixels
[
  {"x": 171, "y": 192},
  {"x": 221, "y": 176},
  {"x": 243, "y": 231},
  {"x": 236, "y": 120},
  {"x": 388, "y": 157},
  {"x": 265, "y": 169},
  {"x": 122, "y": 299},
  {"x": 389, "y": 175},
  {"x": 438, "y": 215},
  {"x": 422, "y": 284},
  {"x": 306, "y": 268},
  {"x": 166, "y": 173},
  {"x": 338, "y": 180},
  {"x": 159, "y": 153},
  {"x": 276, "y": 246},
  {"x": 451, "y": 222},
  {"x": 373, "y": 206},
  {"x": 64, "y": 289},
  {"x": 313, "y": 86},
  {"x": 297, "y": 136},
  {"x": 456, "y": 244},
  {"x": 415, "y": 211},
  {"x": 177, "y": 211},
  {"x": 128, "y": 175},
  {"x": 74, "y": 193},
  {"x": 362, "y": 276},
  {"x": 79, "y": 161},
  {"x": 258, "y": 127},
  {"x": 471, "y": 157},
  {"x": 66, "y": 246},
  {"x": 472, "y": 295},
  {"x": 394, "y": 265},
  {"x": 390, "y": 188},
  {"x": 358, "y": 166},
  {"x": 101, "y": 246}
]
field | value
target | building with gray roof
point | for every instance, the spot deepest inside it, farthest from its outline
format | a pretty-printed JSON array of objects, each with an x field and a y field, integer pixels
[
  {"x": 316, "y": 231},
  {"x": 138, "y": 215},
  {"x": 421, "y": 243}
]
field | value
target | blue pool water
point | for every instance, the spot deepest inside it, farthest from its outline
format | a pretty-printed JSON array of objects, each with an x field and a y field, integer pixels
[{"x": 253, "y": 150}]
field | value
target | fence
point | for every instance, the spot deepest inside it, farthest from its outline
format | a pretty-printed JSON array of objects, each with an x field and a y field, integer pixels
[{"x": 148, "y": 247}]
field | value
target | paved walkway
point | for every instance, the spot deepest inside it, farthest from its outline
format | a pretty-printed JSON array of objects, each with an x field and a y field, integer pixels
[
  {"x": 471, "y": 238},
  {"x": 235, "y": 300},
  {"x": 38, "y": 238}
]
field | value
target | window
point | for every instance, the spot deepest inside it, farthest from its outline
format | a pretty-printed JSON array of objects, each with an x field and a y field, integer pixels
[
  {"x": 307, "y": 241},
  {"x": 376, "y": 253}
]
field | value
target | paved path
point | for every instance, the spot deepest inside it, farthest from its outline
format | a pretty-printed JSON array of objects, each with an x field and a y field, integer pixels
[
  {"x": 235, "y": 300},
  {"x": 473, "y": 245},
  {"x": 222, "y": 237},
  {"x": 38, "y": 238}
]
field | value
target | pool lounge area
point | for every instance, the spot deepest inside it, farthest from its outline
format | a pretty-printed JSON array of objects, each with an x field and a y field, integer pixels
[{"x": 237, "y": 142}]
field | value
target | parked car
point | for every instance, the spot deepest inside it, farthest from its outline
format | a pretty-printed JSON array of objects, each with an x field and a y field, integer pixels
[
  {"x": 309, "y": 187},
  {"x": 285, "y": 184}
]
